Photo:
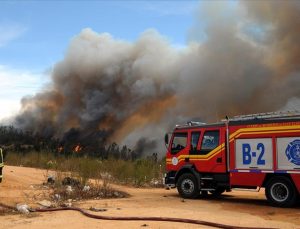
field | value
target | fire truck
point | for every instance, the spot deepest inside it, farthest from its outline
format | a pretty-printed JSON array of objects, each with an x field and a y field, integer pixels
[
  {"x": 244, "y": 152},
  {"x": 1, "y": 164}
]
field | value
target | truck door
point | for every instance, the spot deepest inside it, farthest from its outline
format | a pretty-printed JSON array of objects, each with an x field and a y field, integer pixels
[
  {"x": 177, "y": 150},
  {"x": 210, "y": 155}
]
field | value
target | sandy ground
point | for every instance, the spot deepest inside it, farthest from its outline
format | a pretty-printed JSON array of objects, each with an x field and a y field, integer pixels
[{"x": 239, "y": 208}]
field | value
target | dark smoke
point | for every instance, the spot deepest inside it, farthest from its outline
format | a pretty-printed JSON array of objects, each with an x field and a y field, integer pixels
[
  {"x": 144, "y": 146},
  {"x": 104, "y": 84},
  {"x": 247, "y": 62}
]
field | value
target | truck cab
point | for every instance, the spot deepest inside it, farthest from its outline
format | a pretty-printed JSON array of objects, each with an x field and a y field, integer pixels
[{"x": 199, "y": 152}]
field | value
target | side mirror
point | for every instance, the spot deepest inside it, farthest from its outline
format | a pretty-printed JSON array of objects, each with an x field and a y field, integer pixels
[
  {"x": 166, "y": 139},
  {"x": 1, "y": 157}
]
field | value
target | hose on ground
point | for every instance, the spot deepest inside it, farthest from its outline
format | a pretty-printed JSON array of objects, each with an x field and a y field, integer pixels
[{"x": 135, "y": 218}]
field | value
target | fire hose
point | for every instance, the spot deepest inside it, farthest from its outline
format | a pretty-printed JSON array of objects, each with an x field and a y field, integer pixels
[{"x": 135, "y": 218}]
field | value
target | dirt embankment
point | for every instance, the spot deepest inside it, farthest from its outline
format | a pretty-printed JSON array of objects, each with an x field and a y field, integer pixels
[{"x": 23, "y": 185}]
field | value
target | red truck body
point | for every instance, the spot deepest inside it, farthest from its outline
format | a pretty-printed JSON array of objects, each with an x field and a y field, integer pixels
[{"x": 247, "y": 152}]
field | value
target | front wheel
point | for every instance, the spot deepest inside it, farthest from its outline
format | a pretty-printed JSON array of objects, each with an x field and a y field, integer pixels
[
  {"x": 280, "y": 192},
  {"x": 187, "y": 186}
]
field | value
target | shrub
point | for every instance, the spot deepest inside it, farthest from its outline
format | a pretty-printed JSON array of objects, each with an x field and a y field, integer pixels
[{"x": 140, "y": 172}]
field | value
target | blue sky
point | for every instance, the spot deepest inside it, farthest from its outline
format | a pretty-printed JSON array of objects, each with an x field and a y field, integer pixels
[
  {"x": 42, "y": 29},
  {"x": 35, "y": 34}
]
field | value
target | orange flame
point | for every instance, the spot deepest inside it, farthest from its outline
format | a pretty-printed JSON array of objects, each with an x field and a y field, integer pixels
[
  {"x": 77, "y": 148},
  {"x": 60, "y": 149}
]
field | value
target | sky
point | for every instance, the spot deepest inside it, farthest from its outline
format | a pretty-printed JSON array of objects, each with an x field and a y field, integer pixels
[{"x": 34, "y": 35}]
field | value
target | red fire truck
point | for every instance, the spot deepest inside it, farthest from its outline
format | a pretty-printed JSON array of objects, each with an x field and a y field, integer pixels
[{"x": 243, "y": 152}]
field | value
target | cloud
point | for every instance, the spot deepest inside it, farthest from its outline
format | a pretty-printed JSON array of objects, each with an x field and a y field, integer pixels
[
  {"x": 10, "y": 32},
  {"x": 16, "y": 83}
]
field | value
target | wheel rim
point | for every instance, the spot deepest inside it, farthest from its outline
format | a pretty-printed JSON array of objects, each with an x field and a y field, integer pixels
[
  {"x": 279, "y": 192},
  {"x": 187, "y": 186}
]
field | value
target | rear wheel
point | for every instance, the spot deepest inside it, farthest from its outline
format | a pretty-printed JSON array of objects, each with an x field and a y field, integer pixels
[
  {"x": 280, "y": 192},
  {"x": 187, "y": 186}
]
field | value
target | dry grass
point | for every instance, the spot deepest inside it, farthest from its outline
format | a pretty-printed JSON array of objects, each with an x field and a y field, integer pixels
[
  {"x": 89, "y": 173},
  {"x": 141, "y": 172}
]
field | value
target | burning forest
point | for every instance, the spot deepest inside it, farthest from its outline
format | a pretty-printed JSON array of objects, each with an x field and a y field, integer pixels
[{"x": 108, "y": 90}]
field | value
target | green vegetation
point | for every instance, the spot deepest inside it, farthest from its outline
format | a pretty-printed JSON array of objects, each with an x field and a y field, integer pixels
[{"x": 140, "y": 172}]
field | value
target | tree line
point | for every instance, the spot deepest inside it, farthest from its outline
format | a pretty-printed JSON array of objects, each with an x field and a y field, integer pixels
[{"x": 74, "y": 143}]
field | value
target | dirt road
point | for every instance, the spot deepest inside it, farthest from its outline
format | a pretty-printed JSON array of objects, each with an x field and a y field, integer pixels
[{"x": 20, "y": 185}]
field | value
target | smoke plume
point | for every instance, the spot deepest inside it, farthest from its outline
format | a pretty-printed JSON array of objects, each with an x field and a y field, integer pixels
[{"x": 247, "y": 60}]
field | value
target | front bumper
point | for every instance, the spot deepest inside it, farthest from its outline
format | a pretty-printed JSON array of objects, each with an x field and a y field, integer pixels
[{"x": 169, "y": 180}]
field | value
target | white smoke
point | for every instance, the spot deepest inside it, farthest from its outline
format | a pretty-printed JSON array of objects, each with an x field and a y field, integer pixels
[{"x": 142, "y": 89}]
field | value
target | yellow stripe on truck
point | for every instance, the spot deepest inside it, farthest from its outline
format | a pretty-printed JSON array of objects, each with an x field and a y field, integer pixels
[
  {"x": 236, "y": 134},
  {"x": 264, "y": 130},
  {"x": 203, "y": 157},
  {"x": 199, "y": 157}
]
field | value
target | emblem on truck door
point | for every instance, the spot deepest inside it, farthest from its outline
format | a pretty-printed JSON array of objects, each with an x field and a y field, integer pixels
[
  {"x": 293, "y": 152},
  {"x": 174, "y": 161}
]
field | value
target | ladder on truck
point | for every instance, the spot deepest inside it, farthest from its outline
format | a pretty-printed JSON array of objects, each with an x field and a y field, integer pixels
[{"x": 268, "y": 115}]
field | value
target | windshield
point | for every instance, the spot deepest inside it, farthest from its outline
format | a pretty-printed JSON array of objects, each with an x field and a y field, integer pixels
[{"x": 179, "y": 142}]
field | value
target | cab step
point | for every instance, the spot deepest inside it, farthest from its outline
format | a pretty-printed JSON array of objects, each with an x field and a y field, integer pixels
[
  {"x": 207, "y": 189},
  {"x": 206, "y": 178}
]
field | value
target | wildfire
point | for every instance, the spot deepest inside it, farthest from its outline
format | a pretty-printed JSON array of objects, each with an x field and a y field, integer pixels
[
  {"x": 60, "y": 149},
  {"x": 77, "y": 148}
]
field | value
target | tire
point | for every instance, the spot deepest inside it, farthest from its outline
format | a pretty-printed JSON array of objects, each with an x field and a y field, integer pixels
[
  {"x": 218, "y": 192},
  {"x": 281, "y": 192},
  {"x": 187, "y": 186}
]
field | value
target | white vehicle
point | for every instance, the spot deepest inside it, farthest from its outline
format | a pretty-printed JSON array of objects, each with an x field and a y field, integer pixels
[{"x": 1, "y": 164}]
